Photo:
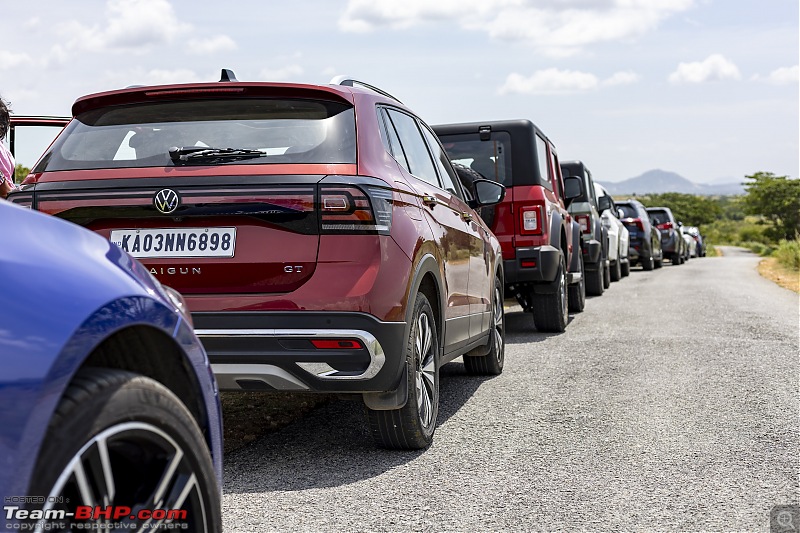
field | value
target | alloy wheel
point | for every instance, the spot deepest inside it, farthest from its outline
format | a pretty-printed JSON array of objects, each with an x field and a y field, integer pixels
[
  {"x": 498, "y": 324},
  {"x": 134, "y": 465},
  {"x": 426, "y": 369}
]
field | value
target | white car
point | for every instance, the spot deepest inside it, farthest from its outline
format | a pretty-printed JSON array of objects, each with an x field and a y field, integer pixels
[
  {"x": 618, "y": 239},
  {"x": 691, "y": 244}
]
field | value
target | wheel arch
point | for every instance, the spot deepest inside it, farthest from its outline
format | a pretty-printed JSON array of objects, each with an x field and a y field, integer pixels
[
  {"x": 426, "y": 279},
  {"x": 146, "y": 350}
]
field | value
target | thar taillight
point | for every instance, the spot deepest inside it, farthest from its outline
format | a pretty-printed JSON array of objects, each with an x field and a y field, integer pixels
[
  {"x": 665, "y": 225},
  {"x": 583, "y": 220},
  {"x": 349, "y": 209},
  {"x": 532, "y": 222}
]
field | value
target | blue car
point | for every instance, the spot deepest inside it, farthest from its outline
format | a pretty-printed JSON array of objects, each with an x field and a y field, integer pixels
[{"x": 109, "y": 412}]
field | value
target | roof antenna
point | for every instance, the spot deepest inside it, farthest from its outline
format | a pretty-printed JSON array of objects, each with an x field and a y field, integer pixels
[{"x": 227, "y": 75}]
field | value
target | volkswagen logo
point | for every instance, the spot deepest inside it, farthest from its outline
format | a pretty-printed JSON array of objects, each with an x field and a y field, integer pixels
[{"x": 166, "y": 201}]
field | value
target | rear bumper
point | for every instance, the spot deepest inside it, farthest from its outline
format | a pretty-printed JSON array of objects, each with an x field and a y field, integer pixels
[
  {"x": 591, "y": 250},
  {"x": 537, "y": 264},
  {"x": 274, "y": 351}
]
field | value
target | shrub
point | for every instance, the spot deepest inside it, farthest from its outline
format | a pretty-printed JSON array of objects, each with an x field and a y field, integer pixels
[{"x": 788, "y": 254}]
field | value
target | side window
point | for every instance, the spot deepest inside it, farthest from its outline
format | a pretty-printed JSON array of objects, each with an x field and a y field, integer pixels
[
  {"x": 543, "y": 162},
  {"x": 557, "y": 179},
  {"x": 446, "y": 171},
  {"x": 590, "y": 189},
  {"x": 390, "y": 140},
  {"x": 417, "y": 155}
]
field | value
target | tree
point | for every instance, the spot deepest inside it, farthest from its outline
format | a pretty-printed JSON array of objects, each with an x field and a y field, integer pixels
[
  {"x": 777, "y": 199},
  {"x": 20, "y": 173},
  {"x": 690, "y": 209}
]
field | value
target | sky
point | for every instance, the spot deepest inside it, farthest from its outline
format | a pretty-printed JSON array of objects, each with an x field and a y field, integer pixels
[{"x": 704, "y": 88}]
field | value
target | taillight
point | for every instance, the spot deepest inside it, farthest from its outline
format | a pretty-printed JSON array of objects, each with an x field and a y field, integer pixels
[
  {"x": 665, "y": 225},
  {"x": 636, "y": 221},
  {"x": 348, "y": 209},
  {"x": 583, "y": 220},
  {"x": 532, "y": 222}
]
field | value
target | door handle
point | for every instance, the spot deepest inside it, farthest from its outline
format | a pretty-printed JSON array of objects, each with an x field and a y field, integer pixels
[
  {"x": 466, "y": 216},
  {"x": 430, "y": 201}
]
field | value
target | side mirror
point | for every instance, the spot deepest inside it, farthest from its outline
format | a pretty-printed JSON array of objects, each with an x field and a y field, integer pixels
[
  {"x": 487, "y": 192},
  {"x": 573, "y": 188},
  {"x": 620, "y": 213},
  {"x": 603, "y": 203}
]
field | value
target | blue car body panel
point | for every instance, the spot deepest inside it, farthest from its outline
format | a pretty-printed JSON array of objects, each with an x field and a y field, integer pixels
[{"x": 63, "y": 291}]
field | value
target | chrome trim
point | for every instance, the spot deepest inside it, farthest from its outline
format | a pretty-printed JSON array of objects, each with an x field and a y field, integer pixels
[
  {"x": 320, "y": 370},
  {"x": 274, "y": 376}
]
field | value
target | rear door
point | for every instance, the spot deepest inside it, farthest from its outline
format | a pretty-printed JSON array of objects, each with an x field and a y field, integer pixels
[
  {"x": 481, "y": 279},
  {"x": 444, "y": 218}
]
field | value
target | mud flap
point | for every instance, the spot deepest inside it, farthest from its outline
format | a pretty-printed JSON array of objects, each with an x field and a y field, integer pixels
[{"x": 387, "y": 401}]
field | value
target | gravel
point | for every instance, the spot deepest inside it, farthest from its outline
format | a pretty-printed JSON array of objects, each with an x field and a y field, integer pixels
[{"x": 669, "y": 404}]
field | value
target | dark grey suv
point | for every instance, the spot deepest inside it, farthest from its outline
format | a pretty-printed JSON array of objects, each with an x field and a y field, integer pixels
[
  {"x": 594, "y": 236},
  {"x": 671, "y": 237},
  {"x": 645, "y": 239}
]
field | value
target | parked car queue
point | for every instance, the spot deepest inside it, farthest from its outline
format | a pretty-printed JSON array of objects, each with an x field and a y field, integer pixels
[{"x": 319, "y": 238}]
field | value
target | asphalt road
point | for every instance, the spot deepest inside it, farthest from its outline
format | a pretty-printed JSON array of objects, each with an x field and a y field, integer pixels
[{"x": 672, "y": 403}]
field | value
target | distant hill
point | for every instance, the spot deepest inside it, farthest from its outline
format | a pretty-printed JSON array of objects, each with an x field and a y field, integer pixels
[{"x": 661, "y": 181}]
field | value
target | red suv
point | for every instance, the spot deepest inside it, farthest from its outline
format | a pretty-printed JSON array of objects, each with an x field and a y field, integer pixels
[
  {"x": 318, "y": 233},
  {"x": 540, "y": 239}
]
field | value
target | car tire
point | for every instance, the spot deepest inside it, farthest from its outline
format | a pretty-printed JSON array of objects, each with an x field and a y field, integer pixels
[
  {"x": 626, "y": 269},
  {"x": 576, "y": 296},
  {"x": 648, "y": 263},
  {"x": 658, "y": 263},
  {"x": 594, "y": 281},
  {"x": 550, "y": 312},
  {"x": 491, "y": 364},
  {"x": 411, "y": 427},
  {"x": 676, "y": 259},
  {"x": 136, "y": 443},
  {"x": 607, "y": 275},
  {"x": 616, "y": 271}
]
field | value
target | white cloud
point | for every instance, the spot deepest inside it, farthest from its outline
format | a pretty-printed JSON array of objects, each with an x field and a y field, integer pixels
[
  {"x": 714, "y": 68},
  {"x": 551, "y": 80},
  {"x": 784, "y": 75},
  {"x": 210, "y": 45},
  {"x": 554, "y": 27},
  {"x": 12, "y": 60},
  {"x": 130, "y": 25},
  {"x": 286, "y": 73},
  {"x": 555, "y": 81}
]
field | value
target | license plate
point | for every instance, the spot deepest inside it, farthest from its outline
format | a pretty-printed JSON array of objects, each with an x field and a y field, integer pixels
[{"x": 174, "y": 242}]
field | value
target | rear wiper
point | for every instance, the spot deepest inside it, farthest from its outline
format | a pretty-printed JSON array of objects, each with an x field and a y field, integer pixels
[{"x": 188, "y": 154}]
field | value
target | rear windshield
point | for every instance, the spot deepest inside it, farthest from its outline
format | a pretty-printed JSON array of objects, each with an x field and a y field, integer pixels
[
  {"x": 141, "y": 135},
  {"x": 629, "y": 210},
  {"x": 659, "y": 217},
  {"x": 491, "y": 159}
]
